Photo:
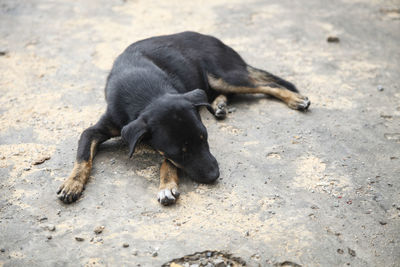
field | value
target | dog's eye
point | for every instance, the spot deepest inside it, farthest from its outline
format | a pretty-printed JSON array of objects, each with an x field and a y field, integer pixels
[{"x": 201, "y": 137}]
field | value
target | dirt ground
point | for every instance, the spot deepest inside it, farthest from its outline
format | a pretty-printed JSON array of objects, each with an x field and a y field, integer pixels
[{"x": 315, "y": 189}]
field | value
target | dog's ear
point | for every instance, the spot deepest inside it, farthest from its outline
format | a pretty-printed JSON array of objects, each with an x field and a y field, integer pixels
[
  {"x": 133, "y": 132},
  {"x": 199, "y": 98}
]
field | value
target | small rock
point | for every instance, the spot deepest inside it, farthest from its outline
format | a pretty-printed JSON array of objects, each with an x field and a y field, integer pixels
[
  {"x": 383, "y": 222},
  {"x": 333, "y": 39},
  {"x": 247, "y": 233},
  {"x": 155, "y": 254},
  {"x": 231, "y": 110},
  {"x": 314, "y": 207},
  {"x": 209, "y": 254},
  {"x": 125, "y": 245},
  {"x": 3, "y": 52},
  {"x": 219, "y": 263},
  {"x": 27, "y": 169},
  {"x": 2, "y": 249},
  {"x": 41, "y": 160},
  {"x": 340, "y": 251},
  {"x": 135, "y": 253},
  {"x": 98, "y": 230},
  {"x": 51, "y": 227},
  {"x": 380, "y": 88},
  {"x": 351, "y": 252},
  {"x": 42, "y": 219},
  {"x": 79, "y": 239},
  {"x": 49, "y": 237}
]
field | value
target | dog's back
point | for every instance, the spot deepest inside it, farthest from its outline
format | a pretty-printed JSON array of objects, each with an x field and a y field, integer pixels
[{"x": 175, "y": 63}]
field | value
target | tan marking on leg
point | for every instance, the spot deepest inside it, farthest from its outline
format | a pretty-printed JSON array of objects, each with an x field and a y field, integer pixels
[
  {"x": 168, "y": 175},
  {"x": 293, "y": 100},
  {"x": 221, "y": 99},
  {"x": 73, "y": 186},
  {"x": 114, "y": 131},
  {"x": 168, "y": 183},
  {"x": 221, "y": 86},
  {"x": 258, "y": 77},
  {"x": 219, "y": 106}
]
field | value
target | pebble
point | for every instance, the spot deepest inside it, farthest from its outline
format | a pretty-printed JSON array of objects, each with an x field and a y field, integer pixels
[
  {"x": 155, "y": 254},
  {"x": 231, "y": 110},
  {"x": 209, "y": 254},
  {"x": 41, "y": 160},
  {"x": 135, "y": 253},
  {"x": 51, "y": 227},
  {"x": 2, "y": 249},
  {"x": 79, "y": 239},
  {"x": 125, "y": 245},
  {"x": 340, "y": 251},
  {"x": 333, "y": 39},
  {"x": 98, "y": 230},
  {"x": 42, "y": 219},
  {"x": 49, "y": 237},
  {"x": 382, "y": 222},
  {"x": 351, "y": 252},
  {"x": 219, "y": 263},
  {"x": 380, "y": 88}
]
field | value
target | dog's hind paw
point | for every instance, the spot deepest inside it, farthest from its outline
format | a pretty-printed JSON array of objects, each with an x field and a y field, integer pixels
[
  {"x": 220, "y": 112},
  {"x": 70, "y": 191},
  {"x": 299, "y": 102},
  {"x": 168, "y": 196}
]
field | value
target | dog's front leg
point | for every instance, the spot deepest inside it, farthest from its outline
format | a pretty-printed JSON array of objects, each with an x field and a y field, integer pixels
[
  {"x": 73, "y": 186},
  {"x": 168, "y": 193}
]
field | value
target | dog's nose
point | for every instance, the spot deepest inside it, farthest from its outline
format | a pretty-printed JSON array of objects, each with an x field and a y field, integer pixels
[
  {"x": 213, "y": 175},
  {"x": 210, "y": 176}
]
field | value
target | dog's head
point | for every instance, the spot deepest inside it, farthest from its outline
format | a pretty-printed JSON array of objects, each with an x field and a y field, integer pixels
[{"x": 172, "y": 126}]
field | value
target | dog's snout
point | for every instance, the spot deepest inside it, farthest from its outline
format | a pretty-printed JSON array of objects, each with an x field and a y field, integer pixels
[{"x": 209, "y": 174}]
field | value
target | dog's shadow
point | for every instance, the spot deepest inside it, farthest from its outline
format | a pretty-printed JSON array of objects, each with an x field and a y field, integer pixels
[{"x": 112, "y": 157}]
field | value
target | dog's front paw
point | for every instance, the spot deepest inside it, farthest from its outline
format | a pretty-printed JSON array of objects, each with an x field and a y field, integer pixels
[
  {"x": 220, "y": 111},
  {"x": 70, "y": 190},
  {"x": 299, "y": 102},
  {"x": 168, "y": 196}
]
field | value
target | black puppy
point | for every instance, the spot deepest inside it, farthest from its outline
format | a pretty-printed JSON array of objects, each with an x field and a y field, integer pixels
[{"x": 152, "y": 95}]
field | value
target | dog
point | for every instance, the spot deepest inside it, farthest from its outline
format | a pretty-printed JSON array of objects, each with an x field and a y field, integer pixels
[{"x": 153, "y": 94}]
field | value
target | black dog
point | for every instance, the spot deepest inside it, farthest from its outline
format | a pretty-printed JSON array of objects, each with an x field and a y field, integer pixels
[{"x": 152, "y": 95}]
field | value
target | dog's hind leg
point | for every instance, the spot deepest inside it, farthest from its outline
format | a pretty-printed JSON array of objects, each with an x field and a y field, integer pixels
[
  {"x": 73, "y": 186},
  {"x": 220, "y": 105},
  {"x": 168, "y": 193},
  {"x": 255, "y": 81}
]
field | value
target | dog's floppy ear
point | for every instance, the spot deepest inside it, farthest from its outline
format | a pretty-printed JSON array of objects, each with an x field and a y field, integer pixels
[
  {"x": 133, "y": 132},
  {"x": 199, "y": 98}
]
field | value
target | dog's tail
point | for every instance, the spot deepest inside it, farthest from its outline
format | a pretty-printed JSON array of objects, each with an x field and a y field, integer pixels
[{"x": 263, "y": 77}]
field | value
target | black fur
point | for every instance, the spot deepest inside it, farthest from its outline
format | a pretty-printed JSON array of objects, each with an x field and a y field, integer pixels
[{"x": 152, "y": 94}]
